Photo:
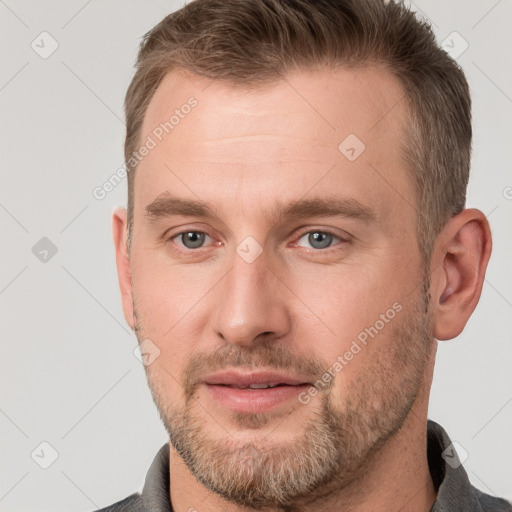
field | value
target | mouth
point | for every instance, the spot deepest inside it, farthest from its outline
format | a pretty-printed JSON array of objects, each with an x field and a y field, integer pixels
[
  {"x": 254, "y": 392},
  {"x": 255, "y": 386}
]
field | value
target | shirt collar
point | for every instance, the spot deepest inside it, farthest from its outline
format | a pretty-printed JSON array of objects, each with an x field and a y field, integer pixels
[
  {"x": 155, "y": 494},
  {"x": 454, "y": 490}
]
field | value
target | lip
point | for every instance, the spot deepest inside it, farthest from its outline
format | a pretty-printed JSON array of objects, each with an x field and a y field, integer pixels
[
  {"x": 231, "y": 390},
  {"x": 245, "y": 379}
]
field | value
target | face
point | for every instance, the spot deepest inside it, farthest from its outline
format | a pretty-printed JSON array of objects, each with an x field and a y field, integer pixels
[{"x": 275, "y": 272}]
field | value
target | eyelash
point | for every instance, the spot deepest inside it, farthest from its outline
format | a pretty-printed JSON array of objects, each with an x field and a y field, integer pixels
[{"x": 301, "y": 235}]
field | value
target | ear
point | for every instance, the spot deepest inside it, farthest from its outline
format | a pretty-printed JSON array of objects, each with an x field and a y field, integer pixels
[
  {"x": 460, "y": 259},
  {"x": 120, "y": 231}
]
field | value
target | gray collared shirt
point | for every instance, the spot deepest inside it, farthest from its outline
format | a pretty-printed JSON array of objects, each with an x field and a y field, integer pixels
[{"x": 454, "y": 490}]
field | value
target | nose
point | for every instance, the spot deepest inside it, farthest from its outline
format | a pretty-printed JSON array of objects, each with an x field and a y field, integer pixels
[{"x": 251, "y": 303}]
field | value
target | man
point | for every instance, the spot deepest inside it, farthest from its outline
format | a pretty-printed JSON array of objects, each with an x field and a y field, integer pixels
[{"x": 296, "y": 242}]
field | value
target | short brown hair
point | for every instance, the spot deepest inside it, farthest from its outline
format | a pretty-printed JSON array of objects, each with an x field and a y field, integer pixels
[{"x": 254, "y": 42}]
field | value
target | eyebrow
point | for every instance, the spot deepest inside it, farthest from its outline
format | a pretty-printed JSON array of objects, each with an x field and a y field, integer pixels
[{"x": 167, "y": 205}]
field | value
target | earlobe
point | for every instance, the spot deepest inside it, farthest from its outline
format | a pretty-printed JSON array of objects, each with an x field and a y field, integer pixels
[
  {"x": 119, "y": 231},
  {"x": 462, "y": 254}
]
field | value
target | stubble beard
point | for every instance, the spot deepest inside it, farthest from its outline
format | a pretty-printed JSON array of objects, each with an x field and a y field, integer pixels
[{"x": 337, "y": 444}]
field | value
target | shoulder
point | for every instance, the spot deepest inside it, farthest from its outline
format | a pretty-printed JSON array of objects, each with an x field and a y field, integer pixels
[
  {"x": 132, "y": 503},
  {"x": 490, "y": 503},
  {"x": 455, "y": 491}
]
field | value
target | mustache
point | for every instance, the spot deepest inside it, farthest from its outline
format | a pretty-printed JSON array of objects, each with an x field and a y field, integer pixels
[{"x": 269, "y": 356}]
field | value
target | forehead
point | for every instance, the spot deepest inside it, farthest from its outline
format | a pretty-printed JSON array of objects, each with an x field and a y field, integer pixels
[{"x": 331, "y": 130}]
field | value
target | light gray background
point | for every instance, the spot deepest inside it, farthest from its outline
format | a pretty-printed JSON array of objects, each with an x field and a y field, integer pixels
[{"x": 68, "y": 373}]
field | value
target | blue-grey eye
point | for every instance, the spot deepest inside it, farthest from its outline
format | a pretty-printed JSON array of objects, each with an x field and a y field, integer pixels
[
  {"x": 319, "y": 239},
  {"x": 191, "y": 239}
]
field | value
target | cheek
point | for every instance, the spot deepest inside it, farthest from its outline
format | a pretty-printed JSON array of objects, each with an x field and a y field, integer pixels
[
  {"x": 163, "y": 380},
  {"x": 356, "y": 310},
  {"x": 175, "y": 347},
  {"x": 347, "y": 299},
  {"x": 167, "y": 303},
  {"x": 166, "y": 294}
]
